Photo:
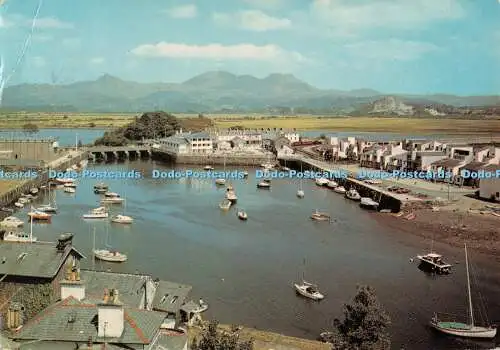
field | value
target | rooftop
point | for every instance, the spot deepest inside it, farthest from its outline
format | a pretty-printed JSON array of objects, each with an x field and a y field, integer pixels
[
  {"x": 447, "y": 163},
  {"x": 38, "y": 259},
  {"x": 74, "y": 321},
  {"x": 492, "y": 167},
  {"x": 197, "y": 135},
  {"x": 170, "y": 296},
  {"x": 474, "y": 166}
]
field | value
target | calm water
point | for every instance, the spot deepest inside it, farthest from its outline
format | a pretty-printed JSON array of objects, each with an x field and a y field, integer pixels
[{"x": 245, "y": 270}]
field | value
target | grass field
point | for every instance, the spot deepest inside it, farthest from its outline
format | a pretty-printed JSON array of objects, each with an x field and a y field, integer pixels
[{"x": 255, "y": 121}]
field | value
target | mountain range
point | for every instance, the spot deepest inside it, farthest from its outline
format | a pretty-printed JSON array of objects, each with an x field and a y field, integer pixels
[{"x": 220, "y": 91}]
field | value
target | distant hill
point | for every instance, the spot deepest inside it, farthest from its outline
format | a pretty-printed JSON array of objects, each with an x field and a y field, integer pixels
[{"x": 220, "y": 91}]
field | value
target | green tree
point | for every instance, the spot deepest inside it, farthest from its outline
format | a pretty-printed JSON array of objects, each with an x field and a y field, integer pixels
[
  {"x": 365, "y": 324},
  {"x": 30, "y": 128},
  {"x": 214, "y": 339}
]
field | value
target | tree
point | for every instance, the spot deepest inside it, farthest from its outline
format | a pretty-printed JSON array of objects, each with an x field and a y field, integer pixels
[
  {"x": 365, "y": 324},
  {"x": 30, "y": 128},
  {"x": 214, "y": 339}
]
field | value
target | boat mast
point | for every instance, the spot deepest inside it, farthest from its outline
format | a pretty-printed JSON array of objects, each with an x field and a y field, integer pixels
[
  {"x": 93, "y": 252},
  {"x": 31, "y": 228},
  {"x": 468, "y": 287}
]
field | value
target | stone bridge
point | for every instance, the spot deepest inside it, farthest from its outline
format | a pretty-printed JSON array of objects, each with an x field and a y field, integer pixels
[{"x": 99, "y": 153}]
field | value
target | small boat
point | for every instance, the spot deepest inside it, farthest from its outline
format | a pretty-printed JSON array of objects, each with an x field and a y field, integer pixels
[
  {"x": 34, "y": 191},
  {"x": 225, "y": 205},
  {"x": 332, "y": 184},
  {"x": 285, "y": 169},
  {"x": 353, "y": 195},
  {"x": 242, "y": 215},
  {"x": 100, "y": 188},
  {"x": 321, "y": 181},
  {"x": 98, "y": 213},
  {"x": 264, "y": 184},
  {"x": 208, "y": 167},
  {"x": 464, "y": 330},
  {"x": 245, "y": 174},
  {"x": 18, "y": 237},
  {"x": 122, "y": 219},
  {"x": 308, "y": 290},
  {"x": 39, "y": 215},
  {"x": 99, "y": 210},
  {"x": 220, "y": 181},
  {"x": 267, "y": 166},
  {"x": 110, "y": 256},
  {"x": 62, "y": 181},
  {"x": 202, "y": 307},
  {"x": 70, "y": 184},
  {"x": 300, "y": 194},
  {"x": 434, "y": 262},
  {"x": 340, "y": 190},
  {"x": 368, "y": 203},
  {"x": 231, "y": 196},
  {"x": 11, "y": 221},
  {"x": 112, "y": 200},
  {"x": 111, "y": 194},
  {"x": 7, "y": 210},
  {"x": 19, "y": 205},
  {"x": 69, "y": 190},
  {"x": 24, "y": 200},
  {"x": 47, "y": 208},
  {"x": 318, "y": 216}
]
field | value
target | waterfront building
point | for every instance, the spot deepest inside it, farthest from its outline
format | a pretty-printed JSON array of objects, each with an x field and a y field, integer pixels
[
  {"x": 343, "y": 148},
  {"x": 489, "y": 188},
  {"x": 29, "y": 269},
  {"x": 187, "y": 143}
]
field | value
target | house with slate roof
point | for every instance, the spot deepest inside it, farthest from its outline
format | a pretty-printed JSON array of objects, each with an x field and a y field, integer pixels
[
  {"x": 79, "y": 320},
  {"x": 28, "y": 269}
]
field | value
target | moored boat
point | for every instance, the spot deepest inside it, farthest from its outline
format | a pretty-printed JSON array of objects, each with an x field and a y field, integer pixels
[
  {"x": 39, "y": 215},
  {"x": 109, "y": 255},
  {"x": 122, "y": 219},
  {"x": 368, "y": 203},
  {"x": 265, "y": 184},
  {"x": 332, "y": 184},
  {"x": 208, "y": 167},
  {"x": 19, "y": 205},
  {"x": 7, "y": 210},
  {"x": 300, "y": 193},
  {"x": 202, "y": 307},
  {"x": 69, "y": 190},
  {"x": 225, "y": 205},
  {"x": 71, "y": 184},
  {"x": 434, "y": 263},
  {"x": 47, "y": 208},
  {"x": 97, "y": 213},
  {"x": 100, "y": 188},
  {"x": 18, "y": 237},
  {"x": 242, "y": 215},
  {"x": 231, "y": 196},
  {"x": 353, "y": 195},
  {"x": 321, "y": 181},
  {"x": 308, "y": 290},
  {"x": 220, "y": 181},
  {"x": 319, "y": 216},
  {"x": 34, "y": 191},
  {"x": 340, "y": 190},
  {"x": 11, "y": 221}
]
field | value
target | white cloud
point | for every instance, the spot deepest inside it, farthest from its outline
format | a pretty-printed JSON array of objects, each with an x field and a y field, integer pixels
[
  {"x": 50, "y": 22},
  {"x": 403, "y": 14},
  {"x": 218, "y": 52},
  {"x": 38, "y": 61},
  {"x": 183, "y": 11},
  {"x": 265, "y": 4},
  {"x": 97, "y": 60},
  {"x": 253, "y": 20},
  {"x": 393, "y": 49}
]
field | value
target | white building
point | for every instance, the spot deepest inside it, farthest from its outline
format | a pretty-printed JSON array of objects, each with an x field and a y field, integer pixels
[
  {"x": 490, "y": 188},
  {"x": 187, "y": 143},
  {"x": 292, "y": 136}
]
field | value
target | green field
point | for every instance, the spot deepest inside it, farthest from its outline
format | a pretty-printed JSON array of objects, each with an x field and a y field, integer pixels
[{"x": 256, "y": 121}]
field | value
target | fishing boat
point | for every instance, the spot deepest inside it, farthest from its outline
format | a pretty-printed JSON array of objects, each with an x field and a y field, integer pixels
[
  {"x": 231, "y": 195},
  {"x": 100, "y": 188},
  {"x": 368, "y": 203},
  {"x": 340, "y": 190},
  {"x": 208, "y": 167},
  {"x": 11, "y": 221},
  {"x": 332, "y": 184},
  {"x": 20, "y": 237},
  {"x": 306, "y": 289},
  {"x": 464, "y": 330},
  {"x": 69, "y": 190},
  {"x": 39, "y": 215},
  {"x": 321, "y": 181},
  {"x": 225, "y": 205},
  {"x": 122, "y": 219},
  {"x": 319, "y": 216},
  {"x": 434, "y": 263},
  {"x": 352, "y": 194},
  {"x": 242, "y": 215}
]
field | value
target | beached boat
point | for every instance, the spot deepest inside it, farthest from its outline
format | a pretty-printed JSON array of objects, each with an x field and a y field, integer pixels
[
  {"x": 321, "y": 181},
  {"x": 242, "y": 215},
  {"x": 434, "y": 263},
  {"x": 109, "y": 255},
  {"x": 39, "y": 215},
  {"x": 319, "y": 216},
  {"x": 122, "y": 219},
  {"x": 332, "y": 184},
  {"x": 353, "y": 195},
  {"x": 340, "y": 190},
  {"x": 225, "y": 205},
  {"x": 11, "y": 221},
  {"x": 464, "y": 330},
  {"x": 368, "y": 203}
]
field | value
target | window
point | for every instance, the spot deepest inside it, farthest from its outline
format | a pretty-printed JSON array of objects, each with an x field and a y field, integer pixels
[{"x": 498, "y": 194}]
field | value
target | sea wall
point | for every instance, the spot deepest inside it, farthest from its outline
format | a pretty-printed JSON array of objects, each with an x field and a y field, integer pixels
[{"x": 210, "y": 159}]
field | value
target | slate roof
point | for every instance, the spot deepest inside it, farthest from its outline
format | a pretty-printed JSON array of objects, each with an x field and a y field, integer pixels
[
  {"x": 474, "y": 166},
  {"x": 430, "y": 153},
  {"x": 197, "y": 135},
  {"x": 492, "y": 167},
  {"x": 447, "y": 163},
  {"x": 52, "y": 324},
  {"x": 190, "y": 306},
  {"x": 40, "y": 260},
  {"x": 172, "y": 339},
  {"x": 170, "y": 296},
  {"x": 131, "y": 287}
]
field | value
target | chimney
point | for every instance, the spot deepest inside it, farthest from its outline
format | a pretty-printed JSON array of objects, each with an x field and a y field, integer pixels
[
  {"x": 110, "y": 315},
  {"x": 90, "y": 343},
  {"x": 72, "y": 285},
  {"x": 64, "y": 240}
]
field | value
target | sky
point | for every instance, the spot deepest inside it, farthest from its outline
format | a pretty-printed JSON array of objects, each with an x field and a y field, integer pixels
[{"x": 393, "y": 46}]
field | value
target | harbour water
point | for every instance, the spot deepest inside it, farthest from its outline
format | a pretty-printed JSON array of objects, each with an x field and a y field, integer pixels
[{"x": 245, "y": 270}]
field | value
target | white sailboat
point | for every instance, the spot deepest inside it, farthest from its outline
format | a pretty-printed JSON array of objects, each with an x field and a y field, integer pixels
[
  {"x": 307, "y": 289},
  {"x": 300, "y": 191},
  {"x": 49, "y": 207},
  {"x": 221, "y": 181},
  {"x": 464, "y": 330},
  {"x": 108, "y": 255},
  {"x": 97, "y": 213},
  {"x": 122, "y": 218}
]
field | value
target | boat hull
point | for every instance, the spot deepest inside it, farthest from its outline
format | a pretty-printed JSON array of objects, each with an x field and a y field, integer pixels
[
  {"x": 430, "y": 267},
  {"x": 464, "y": 331},
  {"x": 109, "y": 257},
  {"x": 368, "y": 206},
  {"x": 301, "y": 291}
]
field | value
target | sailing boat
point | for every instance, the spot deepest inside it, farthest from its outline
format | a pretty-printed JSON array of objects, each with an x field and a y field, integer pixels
[
  {"x": 306, "y": 289},
  {"x": 122, "y": 219},
  {"x": 465, "y": 330},
  {"x": 222, "y": 181},
  {"x": 300, "y": 191},
  {"x": 108, "y": 255},
  {"x": 49, "y": 208}
]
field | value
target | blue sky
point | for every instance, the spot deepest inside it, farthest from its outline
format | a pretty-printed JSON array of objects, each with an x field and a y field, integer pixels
[{"x": 412, "y": 46}]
